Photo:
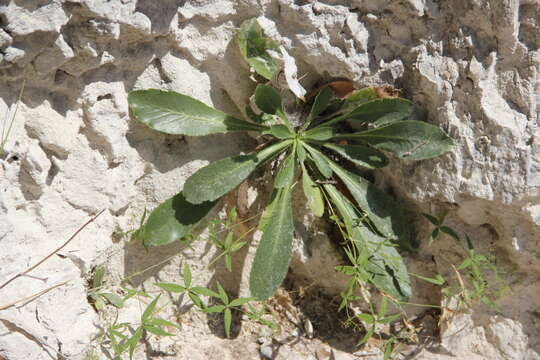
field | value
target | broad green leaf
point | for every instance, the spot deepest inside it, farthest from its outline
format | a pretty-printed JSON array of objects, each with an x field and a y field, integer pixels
[
  {"x": 380, "y": 208},
  {"x": 218, "y": 178},
  {"x": 113, "y": 299},
  {"x": 371, "y": 111},
  {"x": 150, "y": 309},
  {"x": 413, "y": 140},
  {"x": 172, "y": 220},
  {"x": 320, "y": 160},
  {"x": 312, "y": 193},
  {"x": 385, "y": 267},
  {"x": 285, "y": 174},
  {"x": 273, "y": 255},
  {"x": 174, "y": 288},
  {"x": 320, "y": 133},
  {"x": 360, "y": 155},
  {"x": 173, "y": 113},
  {"x": 267, "y": 99},
  {"x": 280, "y": 131},
  {"x": 254, "y": 48},
  {"x": 156, "y": 330},
  {"x": 357, "y": 98},
  {"x": 322, "y": 101},
  {"x": 366, "y": 318}
]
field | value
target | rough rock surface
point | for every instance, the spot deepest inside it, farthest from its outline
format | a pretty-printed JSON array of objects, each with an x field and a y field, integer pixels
[{"x": 472, "y": 66}]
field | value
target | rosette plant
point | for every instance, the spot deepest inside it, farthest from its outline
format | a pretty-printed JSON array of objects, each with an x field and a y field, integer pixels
[{"x": 320, "y": 154}]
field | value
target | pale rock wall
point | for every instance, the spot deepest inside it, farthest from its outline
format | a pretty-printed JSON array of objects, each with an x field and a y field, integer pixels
[{"x": 472, "y": 66}]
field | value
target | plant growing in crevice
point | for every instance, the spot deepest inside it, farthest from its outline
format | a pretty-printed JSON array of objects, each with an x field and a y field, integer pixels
[{"x": 320, "y": 149}]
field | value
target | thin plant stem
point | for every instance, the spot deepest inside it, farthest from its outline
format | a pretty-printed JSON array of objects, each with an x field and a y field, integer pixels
[{"x": 4, "y": 138}]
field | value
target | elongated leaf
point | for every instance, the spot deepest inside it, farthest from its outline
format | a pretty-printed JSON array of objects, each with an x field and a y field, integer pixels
[
  {"x": 320, "y": 160},
  {"x": 227, "y": 320},
  {"x": 380, "y": 208},
  {"x": 360, "y": 155},
  {"x": 313, "y": 194},
  {"x": 172, "y": 220},
  {"x": 321, "y": 133},
  {"x": 267, "y": 99},
  {"x": 371, "y": 111},
  {"x": 301, "y": 152},
  {"x": 322, "y": 100},
  {"x": 220, "y": 177},
  {"x": 280, "y": 131},
  {"x": 357, "y": 98},
  {"x": 285, "y": 174},
  {"x": 150, "y": 309},
  {"x": 173, "y": 113},
  {"x": 156, "y": 330},
  {"x": 413, "y": 140},
  {"x": 174, "y": 288},
  {"x": 113, "y": 299},
  {"x": 254, "y": 48},
  {"x": 275, "y": 249},
  {"x": 385, "y": 266}
]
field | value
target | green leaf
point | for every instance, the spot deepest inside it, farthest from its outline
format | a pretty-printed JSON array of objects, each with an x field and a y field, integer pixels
[
  {"x": 275, "y": 248},
  {"x": 366, "y": 318},
  {"x": 187, "y": 275},
  {"x": 280, "y": 131},
  {"x": 173, "y": 113},
  {"x": 360, "y": 155},
  {"x": 437, "y": 280},
  {"x": 267, "y": 99},
  {"x": 227, "y": 320},
  {"x": 385, "y": 267},
  {"x": 206, "y": 292},
  {"x": 174, "y": 288},
  {"x": 215, "y": 309},
  {"x": 99, "y": 274},
  {"x": 322, "y": 101},
  {"x": 222, "y": 294},
  {"x": 161, "y": 322},
  {"x": 413, "y": 140},
  {"x": 313, "y": 194},
  {"x": 285, "y": 174},
  {"x": 432, "y": 219},
  {"x": 320, "y": 160},
  {"x": 218, "y": 178},
  {"x": 367, "y": 336},
  {"x": 450, "y": 232},
  {"x": 380, "y": 208},
  {"x": 156, "y": 330},
  {"x": 173, "y": 219},
  {"x": 150, "y": 309},
  {"x": 320, "y": 133},
  {"x": 254, "y": 48},
  {"x": 113, "y": 299},
  {"x": 301, "y": 152},
  {"x": 134, "y": 340},
  {"x": 357, "y": 98},
  {"x": 374, "y": 110},
  {"x": 240, "y": 301}
]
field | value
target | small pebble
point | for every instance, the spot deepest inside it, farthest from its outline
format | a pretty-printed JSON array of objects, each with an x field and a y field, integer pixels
[{"x": 267, "y": 352}]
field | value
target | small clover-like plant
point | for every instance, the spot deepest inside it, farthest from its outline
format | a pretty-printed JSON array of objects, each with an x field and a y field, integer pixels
[{"x": 320, "y": 149}]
